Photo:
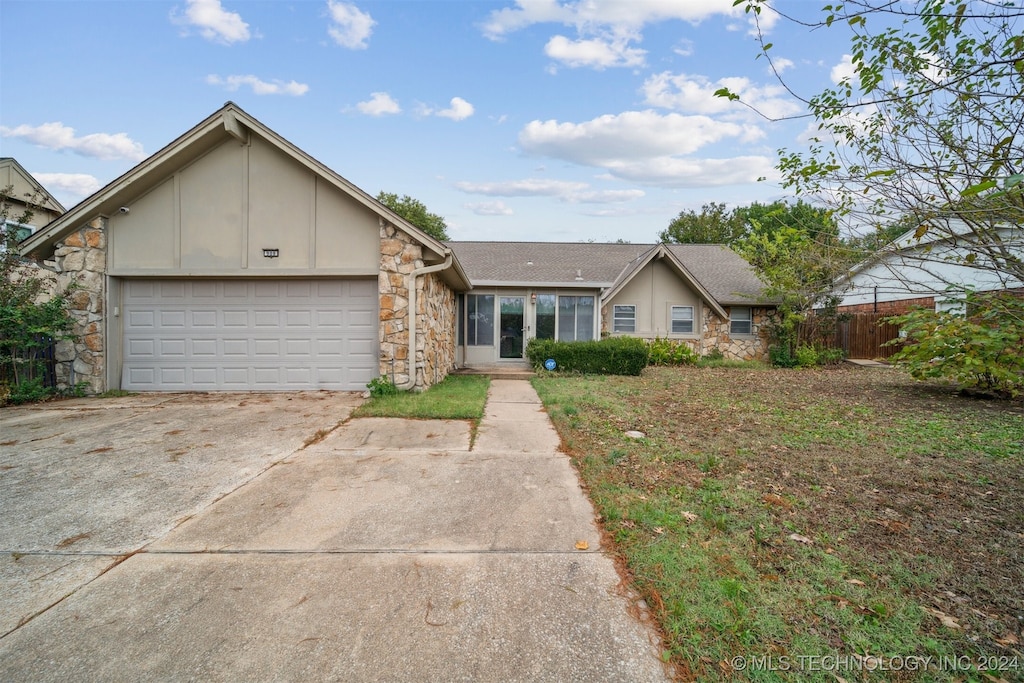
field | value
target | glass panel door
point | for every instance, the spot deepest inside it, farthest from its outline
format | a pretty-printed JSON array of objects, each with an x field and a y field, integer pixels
[
  {"x": 512, "y": 326},
  {"x": 545, "y": 323}
]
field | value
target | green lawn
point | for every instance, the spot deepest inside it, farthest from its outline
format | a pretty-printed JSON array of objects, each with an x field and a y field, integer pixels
[
  {"x": 808, "y": 513},
  {"x": 458, "y": 397}
]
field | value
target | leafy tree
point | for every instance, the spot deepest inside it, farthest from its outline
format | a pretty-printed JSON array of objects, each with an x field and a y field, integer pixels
[
  {"x": 794, "y": 247},
  {"x": 927, "y": 134},
  {"x": 28, "y": 322},
  {"x": 929, "y": 130},
  {"x": 415, "y": 211},
  {"x": 799, "y": 263},
  {"x": 713, "y": 225}
]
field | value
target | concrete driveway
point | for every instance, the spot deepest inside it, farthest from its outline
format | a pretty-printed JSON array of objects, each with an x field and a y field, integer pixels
[
  {"x": 250, "y": 537},
  {"x": 85, "y": 482}
]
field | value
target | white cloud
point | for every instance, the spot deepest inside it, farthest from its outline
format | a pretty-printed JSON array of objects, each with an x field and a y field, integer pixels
[
  {"x": 350, "y": 27},
  {"x": 648, "y": 148},
  {"x": 380, "y": 103},
  {"x": 564, "y": 190},
  {"x": 782, "y": 64},
  {"x": 460, "y": 109},
  {"x": 684, "y": 48},
  {"x": 57, "y": 136},
  {"x": 214, "y": 22},
  {"x": 843, "y": 70},
  {"x": 74, "y": 184},
  {"x": 530, "y": 187},
  {"x": 696, "y": 94},
  {"x": 497, "y": 208},
  {"x": 607, "y": 30},
  {"x": 632, "y": 134},
  {"x": 259, "y": 87},
  {"x": 597, "y": 53},
  {"x": 595, "y": 14},
  {"x": 691, "y": 172}
]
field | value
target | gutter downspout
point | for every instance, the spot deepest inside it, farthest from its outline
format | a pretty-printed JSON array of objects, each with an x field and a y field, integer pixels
[{"x": 411, "y": 382}]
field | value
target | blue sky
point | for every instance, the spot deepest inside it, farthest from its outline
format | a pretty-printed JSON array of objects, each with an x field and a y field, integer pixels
[{"x": 546, "y": 120}]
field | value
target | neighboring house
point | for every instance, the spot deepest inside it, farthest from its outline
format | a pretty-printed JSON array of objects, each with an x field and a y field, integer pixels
[
  {"x": 25, "y": 194},
  {"x": 232, "y": 260},
  {"x": 926, "y": 272},
  {"x": 705, "y": 295}
]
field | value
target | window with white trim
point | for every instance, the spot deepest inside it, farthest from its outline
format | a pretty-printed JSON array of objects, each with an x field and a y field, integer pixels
[
  {"x": 682, "y": 320},
  {"x": 740, "y": 321},
  {"x": 20, "y": 232},
  {"x": 575, "y": 318},
  {"x": 480, "y": 320},
  {"x": 624, "y": 318}
]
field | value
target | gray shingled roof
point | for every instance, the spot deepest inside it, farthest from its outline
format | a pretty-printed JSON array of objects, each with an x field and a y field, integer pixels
[{"x": 725, "y": 275}]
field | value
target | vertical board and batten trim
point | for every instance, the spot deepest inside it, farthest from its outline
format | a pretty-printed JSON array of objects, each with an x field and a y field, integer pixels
[
  {"x": 244, "y": 260},
  {"x": 176, "y": 220},
  {"x": 314, "y": 188}
]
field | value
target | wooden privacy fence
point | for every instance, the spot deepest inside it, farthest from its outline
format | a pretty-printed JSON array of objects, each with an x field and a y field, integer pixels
[{"x": 859, "y": 335}]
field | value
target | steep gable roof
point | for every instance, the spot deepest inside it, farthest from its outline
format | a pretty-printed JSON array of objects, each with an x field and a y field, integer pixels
[
  {"x": 662, "y": 252},
  {"x": 230, "y": 121},
  {"x": 14, "y": 175}
]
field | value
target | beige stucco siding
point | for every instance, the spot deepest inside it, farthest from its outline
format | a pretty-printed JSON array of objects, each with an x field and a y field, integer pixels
[
  {"x": 147, "y": 237},
  {"x": 654, "y": 290},
  {"x": 211, "y": 210},
  {"x": 347, "y": 233},
  {"x": 217, "y": 215},
  {"x": 281, "y": 209}
]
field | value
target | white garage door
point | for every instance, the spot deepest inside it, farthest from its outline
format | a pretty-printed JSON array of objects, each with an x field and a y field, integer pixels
[{"x": 196, "y": 335}]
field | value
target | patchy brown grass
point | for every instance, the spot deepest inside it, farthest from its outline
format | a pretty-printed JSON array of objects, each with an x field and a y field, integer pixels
[{"x": 782, "y": 512}]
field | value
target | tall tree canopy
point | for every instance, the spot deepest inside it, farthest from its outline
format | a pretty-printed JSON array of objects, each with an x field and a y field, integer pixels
[
  {"x": 415, "y": 211},
  {"x": 713, "y": 225}
]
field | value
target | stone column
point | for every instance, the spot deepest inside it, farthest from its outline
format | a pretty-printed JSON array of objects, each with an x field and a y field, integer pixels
[{"x": 81, "y": 261}]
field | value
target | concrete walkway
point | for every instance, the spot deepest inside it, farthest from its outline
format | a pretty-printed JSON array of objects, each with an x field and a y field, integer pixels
[{"x": 389, "y": 551}]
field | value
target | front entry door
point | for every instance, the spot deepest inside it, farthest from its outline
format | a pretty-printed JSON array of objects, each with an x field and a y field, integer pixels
[{"x": 512, "y": 325}]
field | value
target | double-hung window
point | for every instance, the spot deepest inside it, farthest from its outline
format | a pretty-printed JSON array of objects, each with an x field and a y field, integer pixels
[
  {"x": 624, "y": 318},
  {"x": 740, "y": 321},
  {"x": 682, "y": 320}
]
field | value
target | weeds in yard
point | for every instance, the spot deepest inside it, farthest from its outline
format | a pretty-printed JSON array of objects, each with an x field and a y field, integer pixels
[
  {"x": 457, "y": 397},
  {"x": 806, "y": 512}
]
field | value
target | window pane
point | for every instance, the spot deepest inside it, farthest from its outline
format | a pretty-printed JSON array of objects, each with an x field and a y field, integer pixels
[
  {"x": 546, "y": 316},
  {"x": 682, "y": 319},
  {"x": 739, "y": 320},
  {"x": 584, "y": 318},
  {"x": 624, "y": 319},
  {"x": 480, "y": 323},
  {"x": 566, "y": 318}
]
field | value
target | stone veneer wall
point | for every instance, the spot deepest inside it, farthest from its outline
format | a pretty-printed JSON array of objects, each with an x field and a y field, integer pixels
[
  {"x": 435, "y": 321},
  {"x": 715, "y": 335},
  {"x": 81, "y": 262}
]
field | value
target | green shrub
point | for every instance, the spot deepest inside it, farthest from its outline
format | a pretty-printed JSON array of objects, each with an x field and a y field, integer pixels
[
  {"x": 29, "y": 323},
  {"x": 381, "y": 386},
  {"x": 806, "y": 356},
  {"x": 670, "y": 352},
  {"x": 780, "y": 356},
  {"x": 981, "y": 351},
  {"x": 610, "y": 356},
  {"x": 714, "y": 354}
]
